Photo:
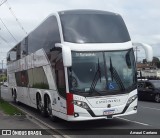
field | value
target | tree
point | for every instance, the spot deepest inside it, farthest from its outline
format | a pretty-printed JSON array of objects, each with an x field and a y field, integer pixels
[
  {"x": 156, "y": 62},
  {"x": 144, "y": 61},
  {"x": 3, "y": 78}
]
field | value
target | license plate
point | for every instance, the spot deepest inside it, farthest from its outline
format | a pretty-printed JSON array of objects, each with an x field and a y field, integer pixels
[{"x": 109, "y": 112}]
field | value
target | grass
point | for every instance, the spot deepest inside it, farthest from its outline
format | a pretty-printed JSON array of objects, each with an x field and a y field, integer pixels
[{"x": 9, "y": 109}]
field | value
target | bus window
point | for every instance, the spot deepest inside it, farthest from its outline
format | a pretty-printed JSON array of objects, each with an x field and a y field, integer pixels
[
  {"x": 18, "y": 56},
  {"x": 22, "y": 78},
  {"x": 13, "y": 54},
  {"x": 40, "y": 81},
  {"x": 45, "y": 36},
  {"x": 24, "y": 47},
  {"x": 30, "y": 78},
  {"x": 8, "y": 57}
]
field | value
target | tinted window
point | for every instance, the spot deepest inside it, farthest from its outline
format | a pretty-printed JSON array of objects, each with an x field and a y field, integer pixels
[
  {"x": 24, "y": 46},
  {"x": 45, "y": 36},
  {"x": 30, "y": 78},
  {"x": 18, "y": 51},
  {"x": 39, "y": 78},
  {"x": 93, "y": 28},
  {"x": 8, "y": 57},
  {"x": 21, "y": 78},
  {"x": 13, "y": 54},
  {"x": 54, "y": 56}
]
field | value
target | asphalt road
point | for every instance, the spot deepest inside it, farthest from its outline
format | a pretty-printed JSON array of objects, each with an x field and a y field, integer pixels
[{"x": 148, "y": 117}]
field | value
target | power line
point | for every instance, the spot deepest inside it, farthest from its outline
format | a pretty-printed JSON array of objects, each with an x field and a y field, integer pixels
[
  {"x": 8, "y": 30},
  {"x": 4, "y": 39},
  {"x": 20, "y": 25},
  {"x": 2, "y": 2}
]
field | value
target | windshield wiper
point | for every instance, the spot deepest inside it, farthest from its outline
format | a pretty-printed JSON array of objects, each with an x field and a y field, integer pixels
[
  {"x": 96, "y": 77},
  {"x": 116, "y": 76}
]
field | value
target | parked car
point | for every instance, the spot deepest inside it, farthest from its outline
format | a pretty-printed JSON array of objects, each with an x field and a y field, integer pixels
[{"x": 149, "y": 90}]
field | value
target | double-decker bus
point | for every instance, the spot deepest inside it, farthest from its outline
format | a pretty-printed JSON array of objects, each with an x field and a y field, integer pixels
[{"x": 76, "y": 65}]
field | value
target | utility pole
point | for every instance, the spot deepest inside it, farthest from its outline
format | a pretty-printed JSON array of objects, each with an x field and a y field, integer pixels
[
  {"x": 2, "y": 72},
  {"x": 136, "y": 50}
]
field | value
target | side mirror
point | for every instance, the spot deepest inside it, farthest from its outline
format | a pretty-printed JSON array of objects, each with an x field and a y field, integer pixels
[{"x": 66, "y": 54}]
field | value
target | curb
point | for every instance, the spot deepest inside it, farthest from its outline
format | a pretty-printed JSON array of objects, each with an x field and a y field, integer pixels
[{"x": 42, "y": 124}]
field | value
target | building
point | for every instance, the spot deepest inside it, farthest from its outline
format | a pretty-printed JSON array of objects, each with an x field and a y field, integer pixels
[{"x": 148, "y": 70}]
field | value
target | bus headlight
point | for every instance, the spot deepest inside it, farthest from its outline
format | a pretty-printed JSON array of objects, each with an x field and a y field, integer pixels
[
  {"x": 131, "y": 99},
  {"x": 81, "y": 104}
]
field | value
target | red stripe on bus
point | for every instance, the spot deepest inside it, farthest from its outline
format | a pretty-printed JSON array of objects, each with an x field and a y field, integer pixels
[{"x": 70, "y": 105}]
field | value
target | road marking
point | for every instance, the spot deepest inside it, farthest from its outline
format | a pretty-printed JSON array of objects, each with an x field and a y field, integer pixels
[
  {"x": 133, "y": 121},
  {"x": 42, "y": 122},
  {"x": 150, "y": 108}
]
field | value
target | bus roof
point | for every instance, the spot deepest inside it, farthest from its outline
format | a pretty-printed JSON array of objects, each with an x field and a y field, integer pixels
[{"x": 86, "y": 11}]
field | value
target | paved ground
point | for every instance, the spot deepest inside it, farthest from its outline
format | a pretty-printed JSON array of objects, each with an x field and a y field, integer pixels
[{"x": 17, "y": 122}]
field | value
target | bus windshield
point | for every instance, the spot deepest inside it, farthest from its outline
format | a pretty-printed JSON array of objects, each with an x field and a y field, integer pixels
[
  {"x": 102, "y": 72},
  {"x": 93, "y": 28}
]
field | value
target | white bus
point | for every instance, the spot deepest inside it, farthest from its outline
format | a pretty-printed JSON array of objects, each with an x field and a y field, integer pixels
[{"x": 76, "y": 65}]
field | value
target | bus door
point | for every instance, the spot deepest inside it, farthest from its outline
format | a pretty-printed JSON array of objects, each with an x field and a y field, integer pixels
[{"x": 61, "y": 88}]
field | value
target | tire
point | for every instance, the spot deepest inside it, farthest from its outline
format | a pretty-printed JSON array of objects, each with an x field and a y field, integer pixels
[
  {"x": 40, "y": 106},
  {"x": 49, "y": 110},
  {"x": 157, "y": 98},
  {"x": 15, "y": 98}
]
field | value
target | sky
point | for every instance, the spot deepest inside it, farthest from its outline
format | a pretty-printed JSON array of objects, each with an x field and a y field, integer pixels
[{"x": 142, "y": 18}]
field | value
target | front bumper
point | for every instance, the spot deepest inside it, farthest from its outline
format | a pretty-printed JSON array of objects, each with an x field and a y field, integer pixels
[{"x": 97, "y": 113}]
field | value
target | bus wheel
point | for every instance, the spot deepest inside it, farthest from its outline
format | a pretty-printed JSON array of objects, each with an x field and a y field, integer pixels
[
  {"x": 157, "y": 98},
  {"x": 39, "y": 103},
  {"x": 49, "y": 109},
  {"x": 40, "y": 106}
]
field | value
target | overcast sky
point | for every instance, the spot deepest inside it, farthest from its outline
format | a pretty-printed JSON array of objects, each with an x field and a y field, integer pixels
[{"x": 142, "y": 18}]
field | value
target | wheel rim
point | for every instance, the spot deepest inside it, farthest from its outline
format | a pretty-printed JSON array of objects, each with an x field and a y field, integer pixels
[
  {"x": 157, "y": 98},
  {"x": 49, "y": 108},
  {"x": 39, "y": 103},
  {"x": 14, "y": 97}
]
